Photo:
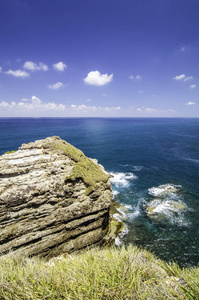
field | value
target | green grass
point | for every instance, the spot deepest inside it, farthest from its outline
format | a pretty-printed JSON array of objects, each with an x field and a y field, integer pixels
[
  {"x": 84, "y": 168},
  {"x": 97, "y": 274},
  {"x": 9, "y": 152}
]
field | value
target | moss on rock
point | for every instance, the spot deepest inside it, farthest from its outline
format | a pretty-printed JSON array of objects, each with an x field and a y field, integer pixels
[{"x": 84, "y": 168}]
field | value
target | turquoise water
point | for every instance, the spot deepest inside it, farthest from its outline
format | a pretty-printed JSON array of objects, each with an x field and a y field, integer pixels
[{"x": 140, "y": 154}]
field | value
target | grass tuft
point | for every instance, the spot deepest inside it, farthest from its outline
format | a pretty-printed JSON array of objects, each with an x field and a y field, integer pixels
[{"x": 127, "y": 273}]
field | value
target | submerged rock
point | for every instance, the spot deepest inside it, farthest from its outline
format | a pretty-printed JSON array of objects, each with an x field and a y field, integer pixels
[
  {"x": 53, "y": 199},
  {"x": 163, "y": 190},
  {"x": 163, "y": 207}
]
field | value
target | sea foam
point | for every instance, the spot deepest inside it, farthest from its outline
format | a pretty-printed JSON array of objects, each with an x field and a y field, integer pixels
[
  {"x": 163, "y": 190},
  {"x": 122, "y": 179}
]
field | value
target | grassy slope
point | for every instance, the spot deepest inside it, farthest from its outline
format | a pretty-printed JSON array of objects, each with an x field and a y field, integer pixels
[{"x": 97, "y": 274}]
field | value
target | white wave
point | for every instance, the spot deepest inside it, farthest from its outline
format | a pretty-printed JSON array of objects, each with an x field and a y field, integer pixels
[
  {"x": 128, "y": 212},
  {"x": 119, "y": 217},
  {"x": 196, "y": 161},
  {"x": 133, "y": 215},
  {"x": 115, "y": 193},
  {"x": 165, "y": 208},
  {"x": 127, "y": 206},
  {"x": 118, "y": 241},
  {"x": 163, "y": 190},
  {"x": 134, "y": 168},
  {"x": 121, "y": 179},
  {"x": 171, "y": 211},
  {"x": 137, "y": 168}
]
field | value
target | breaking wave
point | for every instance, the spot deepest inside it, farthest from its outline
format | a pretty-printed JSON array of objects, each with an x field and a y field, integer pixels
[
  {"x": 164, "y": 190},
  {"x": 121, "y": 179}
]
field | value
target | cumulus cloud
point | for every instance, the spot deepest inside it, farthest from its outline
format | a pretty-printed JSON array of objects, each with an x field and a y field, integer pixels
[
  {"x": 31, "y": 66},
  {"x": 190, "y": 103},
  {"x": 5, "y": 104},
  {"x": 86, "y": 108},
  {"x": 18, "y": 73},
  {"x": 35, "y": 100},
  {"x": 98, "y": 79},
  {"x": 33, "y": 104},
  {"x": 193, "y": 86},
  {"x": 60, "y": 66},
  {"x": 56, "y": 85},
  {"x": 183, "y": 77},
  {"x": 150, "y": 110},
  {"x": 146, "y": 109},
  {"x": 179, "y": 77}
]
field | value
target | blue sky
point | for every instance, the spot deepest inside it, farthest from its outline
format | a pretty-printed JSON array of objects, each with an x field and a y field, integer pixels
[{"x": 99, "y": 58}]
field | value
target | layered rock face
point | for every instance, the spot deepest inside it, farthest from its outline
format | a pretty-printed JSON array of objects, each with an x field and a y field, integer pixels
[{"x": 53, "y": 199}]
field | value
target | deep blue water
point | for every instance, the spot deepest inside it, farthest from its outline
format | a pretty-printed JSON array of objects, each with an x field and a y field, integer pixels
[{"x": 141, "y": 154}]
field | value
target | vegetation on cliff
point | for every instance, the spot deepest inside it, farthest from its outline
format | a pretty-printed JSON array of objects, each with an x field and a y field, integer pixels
[{"x": 96, "y": 274}]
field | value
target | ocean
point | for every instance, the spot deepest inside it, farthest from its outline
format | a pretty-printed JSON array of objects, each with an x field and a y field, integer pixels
[{"x": 149, "y": 159}]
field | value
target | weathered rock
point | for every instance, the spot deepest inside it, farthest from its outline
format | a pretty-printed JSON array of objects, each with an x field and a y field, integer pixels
[{"x": 53, "y": 199}]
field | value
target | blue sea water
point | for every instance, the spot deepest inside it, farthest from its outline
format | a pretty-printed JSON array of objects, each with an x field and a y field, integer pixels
[{"x": 140, "y": 154}]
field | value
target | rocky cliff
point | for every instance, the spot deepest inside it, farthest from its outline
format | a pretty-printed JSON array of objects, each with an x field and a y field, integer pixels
[{"x": 53, "y": 199}]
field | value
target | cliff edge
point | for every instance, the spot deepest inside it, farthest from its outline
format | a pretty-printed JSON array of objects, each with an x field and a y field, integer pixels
[{"x": 53, "y": 199}]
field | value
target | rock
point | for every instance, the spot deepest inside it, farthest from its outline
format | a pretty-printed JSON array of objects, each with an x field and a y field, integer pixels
[
  {"x": 116, "y": 226},
  {"x": 53, "y": 199},
  {"x": 160, "y": 209},
  {"x": 164, "y": 205},
  {"x": 163, "y": 190}
]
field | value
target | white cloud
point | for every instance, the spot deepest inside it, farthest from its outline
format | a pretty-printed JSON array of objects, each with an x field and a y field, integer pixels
[
  {"x": 140, "y": 92},
  {"x": 138, "y": 77},
  {"x": 60, "y": 66},
  {"x": 182, "y": 49},
  {"x": 188, "y": 78},
  {"x": 183, "y": 77},
  {"x": 85, "y": 108},
  {"x": 4, "y": 104},
  {"x": 193, "y": 86},
  {"x": 32, "y": 105},
  {"x": 98, "y": 79},
  {"x": 179, "y": 77},
  {"x": 0, "y": 69},
  {"x": 36, "y": 100},
  {"x": 151, "y": 110},
  {"x": 31, "y": 66},
  {"x": 18, "y": 73},
  {"x": 89, "y": 100},
  {"x": 56, "y": 85},
  {"x": 148, "y": 110},
  {"x": 190, "y": 103}
]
